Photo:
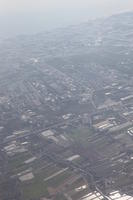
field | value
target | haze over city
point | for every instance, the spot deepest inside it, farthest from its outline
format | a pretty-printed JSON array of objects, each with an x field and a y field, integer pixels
[
  {"x": 66, "y": 100},
  {"x": 23, "y": 17}
]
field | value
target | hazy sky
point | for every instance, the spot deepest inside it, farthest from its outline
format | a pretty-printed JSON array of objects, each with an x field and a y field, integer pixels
[{"x": 30, "y": 16}]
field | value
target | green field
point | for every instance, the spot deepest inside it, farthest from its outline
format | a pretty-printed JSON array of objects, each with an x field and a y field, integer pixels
[
  {"x": 81, "y": 134},
  {"x": 58, "y": 180},
  {"x": 38, "y": 187},
  {"x": 60, "y": 197},
  {"x": 34, "y": 190},
  {"x": 16, "y": 163}
]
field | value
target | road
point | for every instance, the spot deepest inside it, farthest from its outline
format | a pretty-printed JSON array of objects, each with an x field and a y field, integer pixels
[{"x": 88, "y": 175}]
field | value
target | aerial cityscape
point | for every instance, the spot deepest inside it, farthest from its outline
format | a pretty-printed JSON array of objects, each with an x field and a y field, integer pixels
[{"x": 66, "y": 112}]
